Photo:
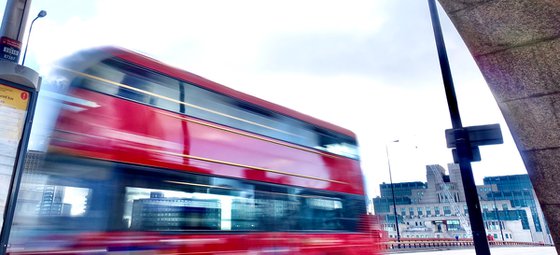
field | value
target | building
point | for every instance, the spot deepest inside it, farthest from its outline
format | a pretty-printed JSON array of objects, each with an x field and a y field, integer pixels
[
  {"x": 519, "y": 191},
  {"x": 403, "y": 195},
  {"x": 32, "y": 184},
  {"x": 437, "y": 208},
  {"x": 173, "y": 214},
  {"x": 35, "y": 197},
  {"x": 52, "y": 202},
  {"x": 28, "y": 196}
]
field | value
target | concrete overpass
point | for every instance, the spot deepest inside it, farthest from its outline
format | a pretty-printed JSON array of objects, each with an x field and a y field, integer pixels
[{"x": 516, "y": 45}]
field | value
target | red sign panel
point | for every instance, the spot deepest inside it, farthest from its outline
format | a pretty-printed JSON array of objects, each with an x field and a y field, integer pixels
[{"x": 10, "y": 49}]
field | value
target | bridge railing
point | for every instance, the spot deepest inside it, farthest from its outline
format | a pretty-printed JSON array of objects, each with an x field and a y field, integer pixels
[{"x": 435, "y": 244}]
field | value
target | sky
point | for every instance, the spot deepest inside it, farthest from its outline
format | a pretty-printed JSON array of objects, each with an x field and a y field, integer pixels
[{"x": 368, "y": 66}]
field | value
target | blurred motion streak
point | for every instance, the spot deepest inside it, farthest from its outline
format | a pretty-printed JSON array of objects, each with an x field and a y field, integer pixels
[{"x": 145, "y": 158}]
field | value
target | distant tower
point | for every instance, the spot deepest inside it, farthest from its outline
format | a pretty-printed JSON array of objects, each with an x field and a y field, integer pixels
[
  {"x": 455, "y": 177},
  {"x": 434, "y": 175}
]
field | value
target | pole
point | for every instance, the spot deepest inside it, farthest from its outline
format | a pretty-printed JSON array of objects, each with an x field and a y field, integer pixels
[
  {"x": 12, "y": 30},
  {"x": 41, "y": 14},
  {"x": 393, "y": 194},
  {"x": 462, "y": 144},
  {"x": 27, "y": 43}
]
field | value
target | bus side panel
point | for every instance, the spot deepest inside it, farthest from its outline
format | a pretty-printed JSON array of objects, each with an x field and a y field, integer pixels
[
  {"x": 251, "y": 243},
  {"x": 120, "y": 130}
]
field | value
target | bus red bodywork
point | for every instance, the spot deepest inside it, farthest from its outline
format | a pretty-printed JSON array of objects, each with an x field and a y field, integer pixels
[{"x": 106, "y": 128}]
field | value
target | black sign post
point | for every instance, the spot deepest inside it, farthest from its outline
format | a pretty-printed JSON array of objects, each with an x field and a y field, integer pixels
[{"x": 464, "y": 140}]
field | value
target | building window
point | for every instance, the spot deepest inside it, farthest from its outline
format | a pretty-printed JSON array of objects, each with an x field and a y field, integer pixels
[
  {"x": 411, "y": 211},
  {"x": 505, "y": 207},
  {"x": 420, "y": 213},
  {"x": 436, "y": 209},
  {"x": 453, "y": 225},
  {"x": 428, "y": 211},
  {"x": 447, "y": 211},
  {"x": 154, "y": 89}
]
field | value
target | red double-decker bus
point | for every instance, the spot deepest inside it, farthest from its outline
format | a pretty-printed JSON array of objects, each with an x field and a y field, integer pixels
[{"x": 145, "y": 158}]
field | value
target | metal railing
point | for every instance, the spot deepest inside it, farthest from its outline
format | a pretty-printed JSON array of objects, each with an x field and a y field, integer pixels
[{"x": 448, "y": 244}]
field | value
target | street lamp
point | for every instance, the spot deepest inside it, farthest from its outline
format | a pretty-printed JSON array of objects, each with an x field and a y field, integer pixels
[
  {"x": 41, "y": 14},
  {"x": 393, "y": 192}
]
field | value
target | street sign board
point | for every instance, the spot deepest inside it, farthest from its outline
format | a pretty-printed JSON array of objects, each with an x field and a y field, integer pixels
[
  {"x": 18, "y": 96},
  {"x": 478, "y": 135},
  {"x": 473, "y": 156},
  {"x": 14, "y": 103},
  {"x": 10, "y": 49}
]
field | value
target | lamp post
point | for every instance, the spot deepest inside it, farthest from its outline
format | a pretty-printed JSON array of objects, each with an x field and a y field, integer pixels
[
  {"x": 41, "y": 14},
  {"x": 393, "y": 193}
]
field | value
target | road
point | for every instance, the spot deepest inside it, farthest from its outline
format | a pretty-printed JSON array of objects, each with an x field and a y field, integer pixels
[{"x": 494, "y": 251}]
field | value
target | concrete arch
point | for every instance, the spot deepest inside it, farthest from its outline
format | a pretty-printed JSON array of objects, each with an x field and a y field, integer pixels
[{"x": 516, "y": 45}]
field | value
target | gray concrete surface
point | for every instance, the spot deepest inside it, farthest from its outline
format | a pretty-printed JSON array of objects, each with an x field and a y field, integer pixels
[{"x": 516, "y": 45}]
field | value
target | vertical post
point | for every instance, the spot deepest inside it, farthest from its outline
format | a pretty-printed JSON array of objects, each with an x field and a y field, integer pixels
[
  {"x": 27, "y": 43},
  {"x": 41, "y": 14},
  {"x": 394, "y": 200},
  {"x": 12, "y": 30},
  {"x": 462, "y": 141}
]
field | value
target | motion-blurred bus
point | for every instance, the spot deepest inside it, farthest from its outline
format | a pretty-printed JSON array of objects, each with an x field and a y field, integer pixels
[{"x": 145, "y": 158}]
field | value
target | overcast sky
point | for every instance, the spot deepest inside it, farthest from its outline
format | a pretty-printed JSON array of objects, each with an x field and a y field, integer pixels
[{"x": 369, "y": 66}]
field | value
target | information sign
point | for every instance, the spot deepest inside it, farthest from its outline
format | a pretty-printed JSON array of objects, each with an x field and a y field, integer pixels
[
  {"x": 13, "y": 110},
  {"x": 9, "y": 49},
  {"x": 19, "y": 87}
]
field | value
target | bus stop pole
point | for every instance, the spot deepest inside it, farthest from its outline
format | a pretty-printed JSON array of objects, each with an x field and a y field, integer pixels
[
  {"x": 462, "y": 141},
  {"x": 13, "y": 28}
]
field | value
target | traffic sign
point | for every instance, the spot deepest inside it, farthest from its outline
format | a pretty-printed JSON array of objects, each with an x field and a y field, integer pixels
[{"x": 477, "y": 135}]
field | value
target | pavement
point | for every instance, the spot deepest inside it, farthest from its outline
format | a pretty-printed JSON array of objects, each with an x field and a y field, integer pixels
[{"x": 493, "y": 251}]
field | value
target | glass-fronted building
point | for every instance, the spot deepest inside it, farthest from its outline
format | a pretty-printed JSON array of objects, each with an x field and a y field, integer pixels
[
  {"x": 518, "y": 190},
  {"x": 437, "y": 208},
  {"x": 403, "y": 195}
]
